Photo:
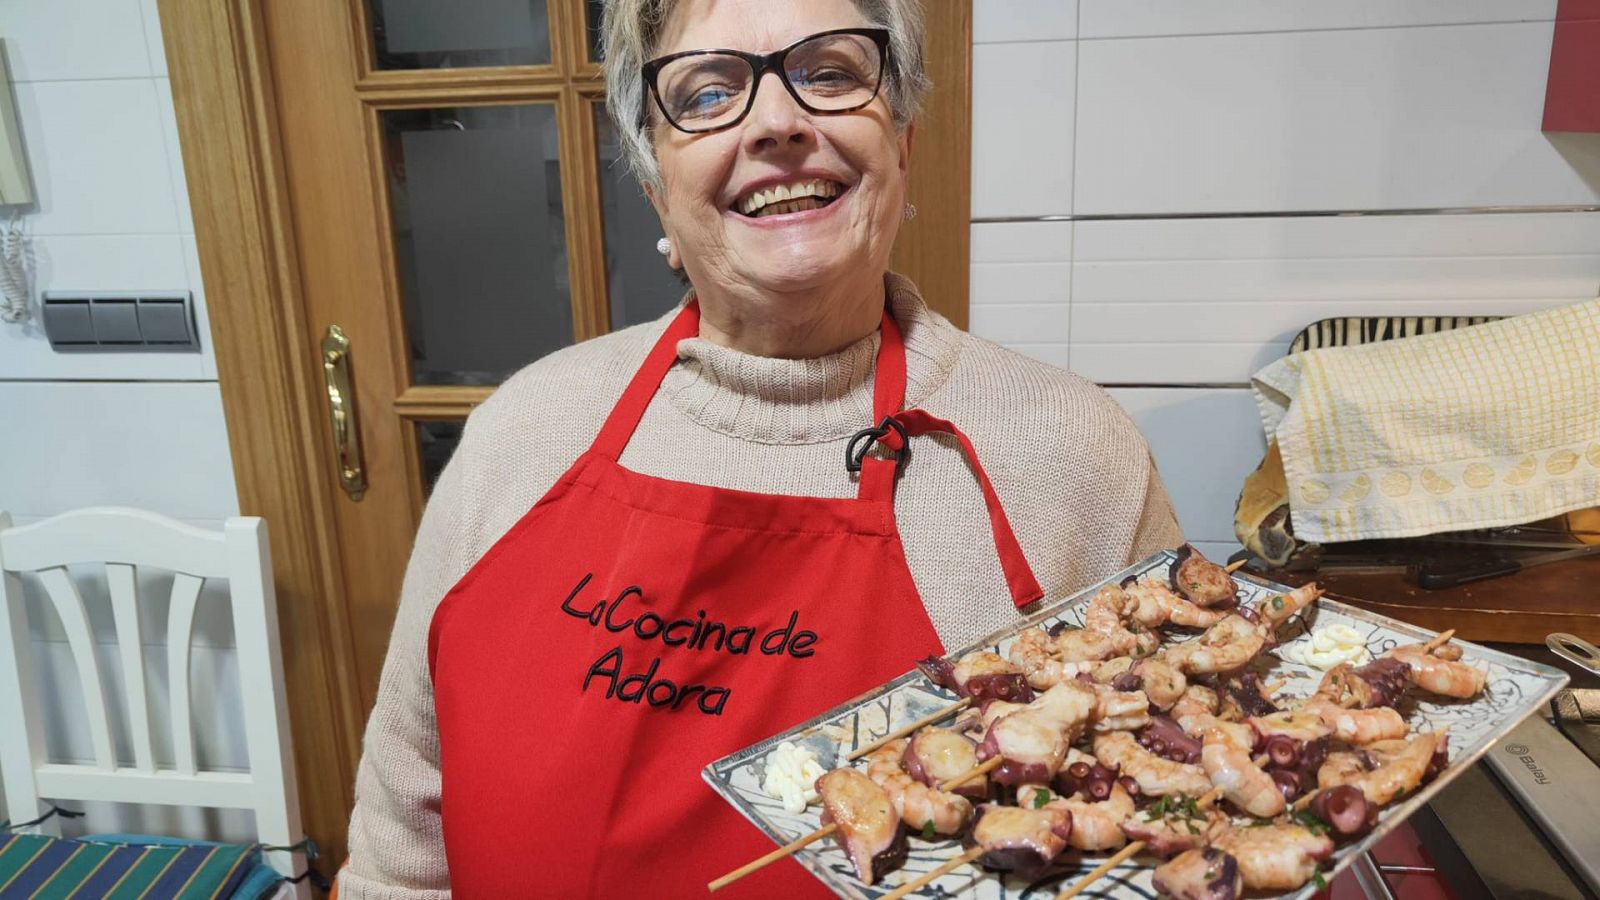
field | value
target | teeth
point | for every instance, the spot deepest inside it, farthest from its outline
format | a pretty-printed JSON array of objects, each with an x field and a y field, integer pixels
[{"x": 782, "y": 193}]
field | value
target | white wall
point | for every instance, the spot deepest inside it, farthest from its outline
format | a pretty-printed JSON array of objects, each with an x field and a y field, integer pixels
[
  {"x": 146, "y": 430},
  {"x": 1145, "y": 174}
]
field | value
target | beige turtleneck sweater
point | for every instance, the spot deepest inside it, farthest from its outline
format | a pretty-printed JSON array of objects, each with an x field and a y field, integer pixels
[{"x": 1073, "y": 473}]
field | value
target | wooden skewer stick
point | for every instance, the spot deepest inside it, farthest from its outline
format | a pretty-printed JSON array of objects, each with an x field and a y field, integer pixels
[
  {"x": 1233, "y": 567},
  {"x": 899, "y": 733},
  {"x": 1305, "y": 801},
  {"x": 795, "y": 845},
  {"x": 943, "y": 870},
  {"x": 1124, "y": 854},
  {"x": 1115, "y": 860},
  {"x": 788, "y": 849},
  {"x": 1439, "y": 641}
]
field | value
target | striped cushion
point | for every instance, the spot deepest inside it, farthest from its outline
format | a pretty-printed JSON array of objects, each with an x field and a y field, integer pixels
[{"x": 35, "y": 866}]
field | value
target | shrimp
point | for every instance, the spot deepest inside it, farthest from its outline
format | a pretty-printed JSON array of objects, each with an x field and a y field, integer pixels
[
  {"x": 1276, "y": 857},
  {"x": 1155, "y": 605},
  {"x": 1298, "y": 724},
  {"x": 1170, "y": 831},
  {"x": 919, "y": 805},
  {"x": 1277, "y": 610},
  {"x": 1400, "y": 767},
  {"x": 1086, "y": 645},
  {"x": 1120, "y": 710},
  {"x": 1341, "y": 767},
  {"x": 1095, "y": 825},
  {"x": 1033, "y": 651},
  {"x": 1197, "y": 698},
  {"x": 1098, "y": 826},
  {"x": 1155, "y": 775},
  {"x": 1226, "y": 646},
  {"x": 1228, "y": 765},
  {"x": 1112, "y": 669},
  {"x": 1163, "y": 683},
  {"x": 1198, "y": 725},
  {"x": 1108, "y": 609},
  {"x": 1357, "y": 726},
  {"x": 1199, "y": 874},
  {"x": 1438, "y": 675}
]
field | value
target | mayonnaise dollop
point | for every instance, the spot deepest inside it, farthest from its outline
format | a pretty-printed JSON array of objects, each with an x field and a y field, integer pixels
[
  {"x": 1328, "y": 647},
  {"x": 792, "y": 774}
]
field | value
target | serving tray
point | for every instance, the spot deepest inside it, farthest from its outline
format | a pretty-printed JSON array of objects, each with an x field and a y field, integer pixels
[{"x": 1516, "y": 688}]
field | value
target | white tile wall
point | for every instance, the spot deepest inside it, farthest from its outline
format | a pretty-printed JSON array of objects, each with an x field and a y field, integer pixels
[
  {"x": 63, "y": 40},
  {"x": 1147, "y": 18},
  {"x": 96, "y": 114},
  {"x": 1205, "y": 443},
  {"x": 1022, "y": 128},
  {"x": 1211, "y": 300},
  {"x": 1202, "y": 108},
  {"x": 995, "y": 21},
  {"x": 157, "y": 446},
  {"x": 1392, "y": 118},
  {"x": 98, "y": 156}
]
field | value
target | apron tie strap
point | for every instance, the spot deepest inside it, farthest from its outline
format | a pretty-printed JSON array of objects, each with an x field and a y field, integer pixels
[{"x": 878, "y": 476}]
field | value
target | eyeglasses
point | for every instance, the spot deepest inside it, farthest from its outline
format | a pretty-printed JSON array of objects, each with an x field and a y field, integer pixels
[{"x": 708, "y": 90}]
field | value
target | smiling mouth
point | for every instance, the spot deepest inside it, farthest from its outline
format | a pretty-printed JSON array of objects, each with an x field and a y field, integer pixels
[{"x": 789, "y": 198}]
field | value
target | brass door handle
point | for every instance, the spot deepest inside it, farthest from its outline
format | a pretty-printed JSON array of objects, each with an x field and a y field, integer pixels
[{"x": 342, "y": 412}]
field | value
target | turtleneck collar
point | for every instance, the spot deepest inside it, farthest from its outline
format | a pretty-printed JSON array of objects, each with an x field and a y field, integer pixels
[{"x": 809, "y": 401}]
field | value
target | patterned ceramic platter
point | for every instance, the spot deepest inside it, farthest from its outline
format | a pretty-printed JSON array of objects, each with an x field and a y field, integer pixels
[{"x": 1516, "y": 688}]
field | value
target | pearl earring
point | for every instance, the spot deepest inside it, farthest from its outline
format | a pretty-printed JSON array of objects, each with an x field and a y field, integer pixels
[
  {"x": 910, "y": 212},
  {"x": 664, "y": 247}
]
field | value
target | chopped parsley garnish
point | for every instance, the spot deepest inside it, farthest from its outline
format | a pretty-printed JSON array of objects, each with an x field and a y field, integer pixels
[
  {"x": 1309, "y": 820},
  {"x": 1319, "y": 881},
  {"x": 1040, "y": 798},
  {"x": 927, "y": 830}
]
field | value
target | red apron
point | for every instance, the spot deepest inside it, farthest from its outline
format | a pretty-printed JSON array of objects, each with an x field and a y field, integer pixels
[{"x": 628, "y": 630}]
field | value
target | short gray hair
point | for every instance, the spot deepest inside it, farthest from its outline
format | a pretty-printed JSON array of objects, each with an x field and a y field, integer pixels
[{"x": 632, "y": 27}]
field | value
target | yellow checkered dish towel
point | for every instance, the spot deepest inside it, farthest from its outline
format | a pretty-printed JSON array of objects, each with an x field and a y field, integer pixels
[{"x": 1479, "y": 427}]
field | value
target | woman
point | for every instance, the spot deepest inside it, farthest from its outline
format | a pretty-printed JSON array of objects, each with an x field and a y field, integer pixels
[{"x": 651, "y": 549}]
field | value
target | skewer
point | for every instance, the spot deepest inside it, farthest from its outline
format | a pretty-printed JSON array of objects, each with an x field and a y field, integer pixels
[
  {"x": 1115, "y": 860},
  {"x": 788, "y": 849},
  {"x": 795, "y": 845},
  {"x": 1439, "y": 641},
  {"x": 943, "y": 870},
  {"x": 1233, "y": 567},
  {"x": 1125, "y": 853},
  {"x": 899, "y": 733}
]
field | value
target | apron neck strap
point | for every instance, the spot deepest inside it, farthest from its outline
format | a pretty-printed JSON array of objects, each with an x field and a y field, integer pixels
[
  {"x": 888, "y": 388},
  {"x": 878, "y": 480}
]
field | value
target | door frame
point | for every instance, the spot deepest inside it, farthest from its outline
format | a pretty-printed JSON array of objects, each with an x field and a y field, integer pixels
[{"x": 271, "y": 385}]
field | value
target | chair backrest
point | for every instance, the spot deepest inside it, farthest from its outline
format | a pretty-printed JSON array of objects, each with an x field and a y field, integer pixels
[{"x": 125, "y": 541}]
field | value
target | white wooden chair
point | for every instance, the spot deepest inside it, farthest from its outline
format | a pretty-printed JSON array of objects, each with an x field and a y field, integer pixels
[{"x": 121, "y": 540}]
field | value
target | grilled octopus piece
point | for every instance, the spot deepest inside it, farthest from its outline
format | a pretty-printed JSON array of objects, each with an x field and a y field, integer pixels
[
  {"x": 1033, "y": 741},
  {"x": 1020, "y": 840},
  {"x": 1200, "y": 874},
  {"x": 869, "y": 828},
  {"x": 936, "y": 755},
  {"x": 1201, "y": 581},
  {"x": 983, "y": 675}
]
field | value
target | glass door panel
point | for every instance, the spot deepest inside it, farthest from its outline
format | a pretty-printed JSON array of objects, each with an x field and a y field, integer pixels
[
  {"x": 640, "y": 285},
  {"x": 479, "y": 238},
  {"x": 430, "y": 34},
  {"x": 436, "y": 441},
  {"x": 591, "y": 17}
]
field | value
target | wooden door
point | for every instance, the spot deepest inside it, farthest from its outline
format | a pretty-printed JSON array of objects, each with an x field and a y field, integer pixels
[{"x": 397, "y": 203}]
